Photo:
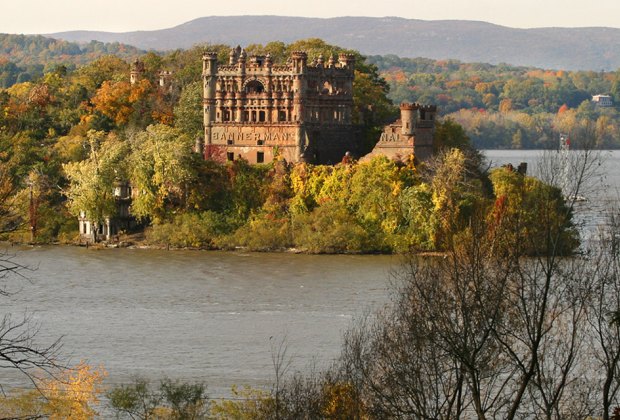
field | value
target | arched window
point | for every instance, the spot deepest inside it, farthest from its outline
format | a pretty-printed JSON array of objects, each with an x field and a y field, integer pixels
[
  {"x": 327, "y": 88},
  {"x": 254, "y": 87}
]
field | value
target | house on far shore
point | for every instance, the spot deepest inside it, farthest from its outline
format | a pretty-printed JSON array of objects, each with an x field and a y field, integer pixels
[{"x": 604, "y": 101}]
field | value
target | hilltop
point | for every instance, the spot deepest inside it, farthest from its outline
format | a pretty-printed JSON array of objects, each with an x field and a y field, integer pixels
[{"x": 472, "y": 41}]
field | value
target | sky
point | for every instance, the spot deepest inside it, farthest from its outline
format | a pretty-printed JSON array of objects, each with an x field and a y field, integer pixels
[{"x": 49, "y": 16}]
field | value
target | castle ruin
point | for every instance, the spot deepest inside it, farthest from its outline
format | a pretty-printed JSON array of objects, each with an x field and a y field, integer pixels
[{"x": 253, "y": 107}]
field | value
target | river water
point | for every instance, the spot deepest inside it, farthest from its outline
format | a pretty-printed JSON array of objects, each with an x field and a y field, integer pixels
[
  {"x": 213, "y": 316},
  {"x": 196, "y": 315}
]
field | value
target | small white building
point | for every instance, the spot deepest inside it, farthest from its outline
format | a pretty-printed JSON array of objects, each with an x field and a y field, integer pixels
[
  {"x": 121, "y": 221},
  {"x": 603, "y": 101}
]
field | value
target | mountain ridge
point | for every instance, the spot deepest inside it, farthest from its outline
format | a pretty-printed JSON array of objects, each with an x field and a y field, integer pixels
[{"x": 591, "y": 48}]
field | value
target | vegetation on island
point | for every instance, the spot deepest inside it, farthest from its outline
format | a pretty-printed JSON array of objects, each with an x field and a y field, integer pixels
[{"x": 69, "y": 136}]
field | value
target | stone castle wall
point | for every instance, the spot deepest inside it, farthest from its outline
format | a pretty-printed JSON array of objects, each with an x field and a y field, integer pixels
[{"x": 301, "y": 110}]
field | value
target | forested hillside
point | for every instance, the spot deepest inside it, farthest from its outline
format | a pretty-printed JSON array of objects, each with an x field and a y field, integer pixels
[
  {"x": 28, "y": 57},
  {"x": 502, "y": 106}
]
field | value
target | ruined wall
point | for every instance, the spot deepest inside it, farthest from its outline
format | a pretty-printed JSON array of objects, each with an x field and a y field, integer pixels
[
  {"x": 410, "y": 136},
  {"x": 301, "y": 110}
]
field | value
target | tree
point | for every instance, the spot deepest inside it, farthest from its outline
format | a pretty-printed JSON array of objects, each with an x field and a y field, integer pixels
[
  {"x": 91, "y": 189},
  {"x": 188, "y": 112},
  {"x": 498, "y": 326},
  {"x": 74, "y": 394},
  {"x": 172, "y": 400},
  {"x": 160, "y": 169},
  {"x": 18, "y": 347},
  {"x": 604, "y": 314}
]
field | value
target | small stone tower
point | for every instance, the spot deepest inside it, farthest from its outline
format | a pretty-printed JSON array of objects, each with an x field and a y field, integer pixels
[
  {"x": 136, "y": 72},
  {"x": 411, "y": 135},
  {"x": 408, "y": 116}
]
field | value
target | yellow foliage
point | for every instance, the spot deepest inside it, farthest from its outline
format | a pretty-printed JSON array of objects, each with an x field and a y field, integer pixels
[
  {"x": 342, "y": 402},
  {"x": 246, "y": 404},
  {"x": 72, "y": 395}
]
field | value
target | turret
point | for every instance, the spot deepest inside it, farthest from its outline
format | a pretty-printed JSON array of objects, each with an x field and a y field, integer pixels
[
  {"x": 331, "y": 62},
  {"x": 300, "y": 60},
  {"x": 320, "y": 61},
  {"x": 209, "y": 76},
  {"x": 427, "y": 113},
  {"x": 347, "y": 61},
  {"x": 242, "y": 58},
  {"x": 424, "y": 129},
  {"x": 136, "y": 71},
  {"x": 408, "y": 116},
  {"x": 209, "y": 64}
]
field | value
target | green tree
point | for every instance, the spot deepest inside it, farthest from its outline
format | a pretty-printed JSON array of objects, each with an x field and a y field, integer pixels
[
  {"x": 188, "y": 112},
  {"x": 160, "y": 169},
  {"x": 91, "y": 181}
]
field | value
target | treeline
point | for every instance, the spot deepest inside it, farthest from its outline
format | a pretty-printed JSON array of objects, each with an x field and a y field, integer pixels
[
  {"x": 503, "y": 106},
  {"x": 374, "y": 206},
  {"x": 68, "y": 137},
  {"x": 53, "y": 123},
  {"x": 28, "y": 57}
]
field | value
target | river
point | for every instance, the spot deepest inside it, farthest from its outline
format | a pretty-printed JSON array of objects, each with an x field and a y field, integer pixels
[
  {"x": 196, "y": 315},
  {"x": 213, "y": 316}
]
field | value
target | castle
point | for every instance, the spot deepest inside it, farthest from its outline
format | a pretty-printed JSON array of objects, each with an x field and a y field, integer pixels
[
  {"x": 302, "y": 110},
  {"x": 254, "y": 109}
]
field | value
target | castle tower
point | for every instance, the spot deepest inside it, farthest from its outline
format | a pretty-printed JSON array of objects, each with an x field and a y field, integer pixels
[
  {"x": 136, "y": 72},
  {"x": 408, "y": 117},
  {"x": 209, "y": 76},
  {"x": 347, "y": 61},
  {"x": 424, "y": 131},
  {"x": 241, "y": 62},
  {"x": 300, "y": 60}
]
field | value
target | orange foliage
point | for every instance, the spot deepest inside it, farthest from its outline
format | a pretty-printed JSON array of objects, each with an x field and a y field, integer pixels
[
  {"x": 563, "y": 109},
  {"x": 116, "y": 99}
]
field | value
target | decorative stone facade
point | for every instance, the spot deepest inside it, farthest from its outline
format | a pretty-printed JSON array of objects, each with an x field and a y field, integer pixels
[{"x": 253, "y": 108}]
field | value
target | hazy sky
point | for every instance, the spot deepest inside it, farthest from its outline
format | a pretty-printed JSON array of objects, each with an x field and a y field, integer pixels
[{"x": 47, "y": 16}]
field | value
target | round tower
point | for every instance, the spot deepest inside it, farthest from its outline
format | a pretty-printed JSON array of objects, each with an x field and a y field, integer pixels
[
  {"x": 241, "y": 63},
  {"x": 209, "y": 76},
  {"x": 408, "y": 116}
]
